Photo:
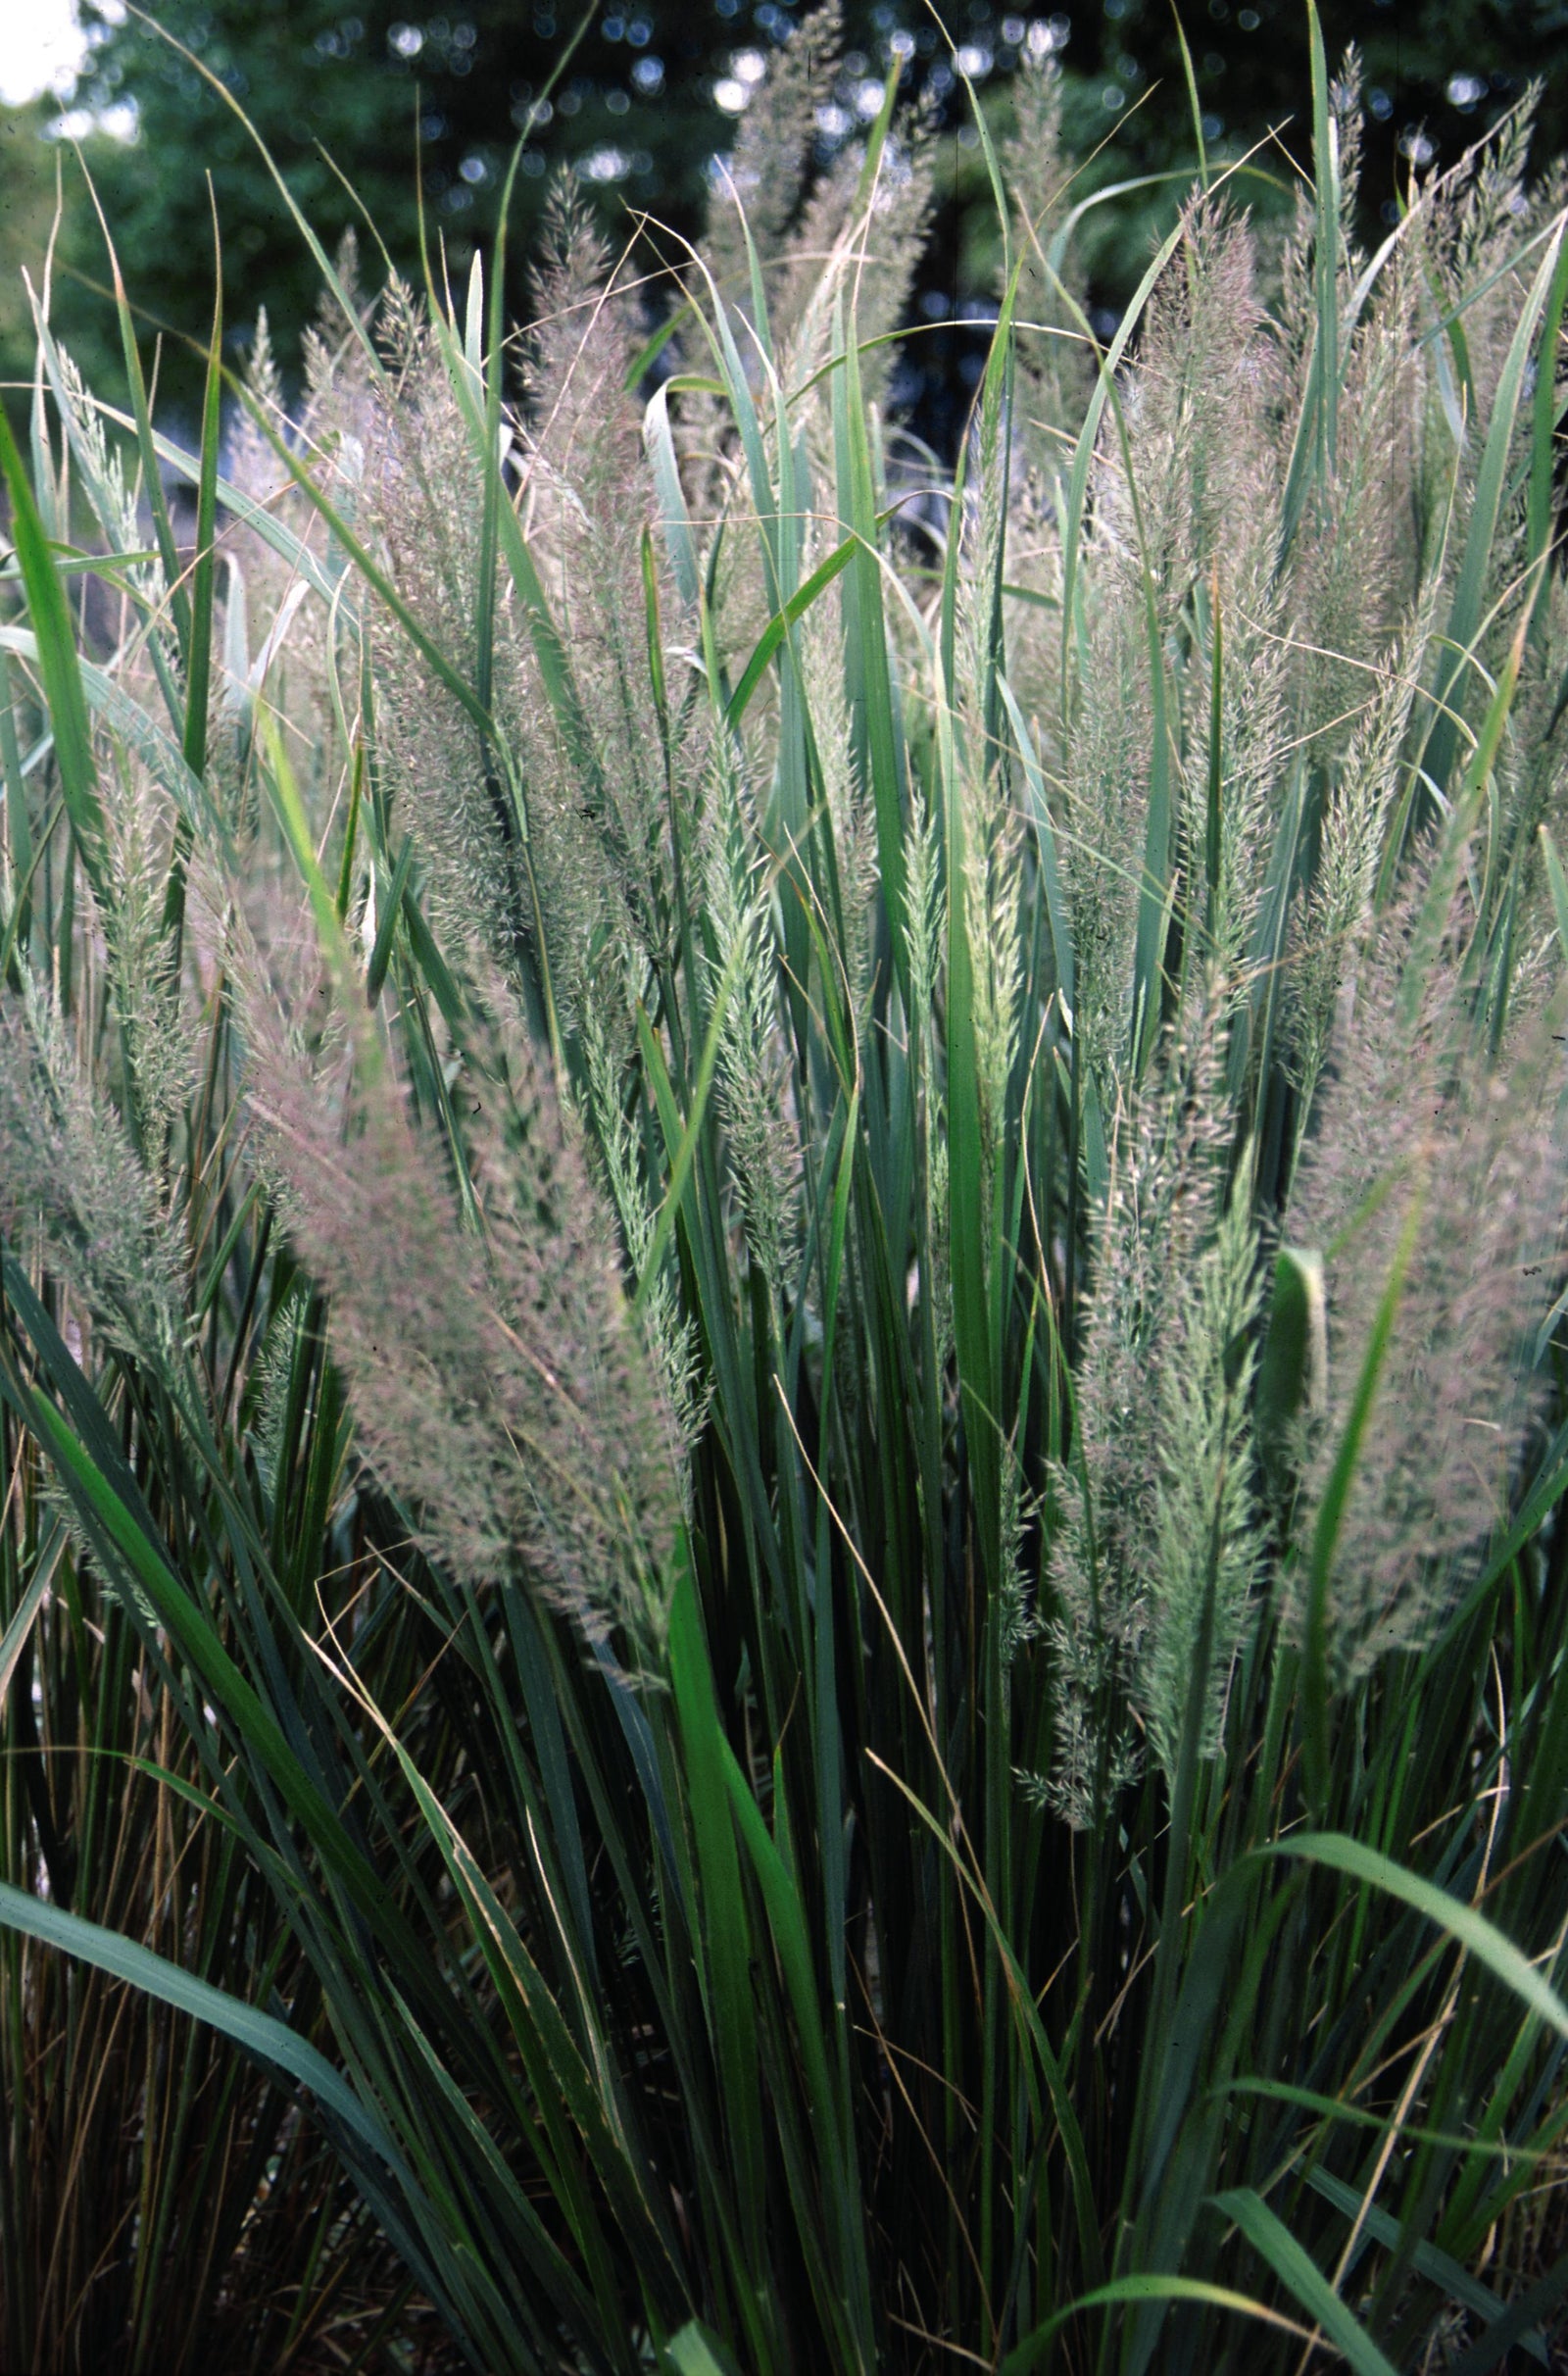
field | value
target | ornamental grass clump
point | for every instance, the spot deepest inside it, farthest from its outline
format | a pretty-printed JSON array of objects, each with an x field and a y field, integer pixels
[{"x": 781, "y": 1572}]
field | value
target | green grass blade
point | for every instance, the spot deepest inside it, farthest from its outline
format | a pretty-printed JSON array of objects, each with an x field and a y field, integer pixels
[
  {"x": 1028, "y": 2354},
  {"x": 1445, "y": 2271},
  {"x": 779, "y": 625},
  {"x": 58, "y": 669},
  {"x": 724, "y": 1955},
  {"x": 674, "y": 516},
  {"x": 1463, "y": 1923},
  {"x": 1466, "y": 612},
  {"x": 1542, "y": 435},
  {"x": 199, "y": 653},
  {"x": 269, "y": 2041},
  {"x": 1272, "y": 2240},
  {"x": 14, "y": 1641}
]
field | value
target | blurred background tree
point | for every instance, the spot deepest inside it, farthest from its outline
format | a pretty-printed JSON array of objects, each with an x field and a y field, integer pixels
[{"x": 350, "y": 95}]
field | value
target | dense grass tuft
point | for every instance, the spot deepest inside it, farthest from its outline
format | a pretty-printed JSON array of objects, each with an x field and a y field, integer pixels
[{"x": 783, "y": 1420}]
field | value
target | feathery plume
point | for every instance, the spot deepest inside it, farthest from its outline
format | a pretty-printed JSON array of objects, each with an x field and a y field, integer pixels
[
  {"x": 1152, "y": 1503},
  {"x": 496, "y": 1377},
  {"x": 766, "y": 169},
  {"x": 1209, "y": 1540},
  {"x": 1326, "y": 930},
  {"x": 1418, "y": 1128},
  {"x": 69, "y": 1171},
  {"x": 753, "y": 1057},
  {"x": 671, "y": 1338}
]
